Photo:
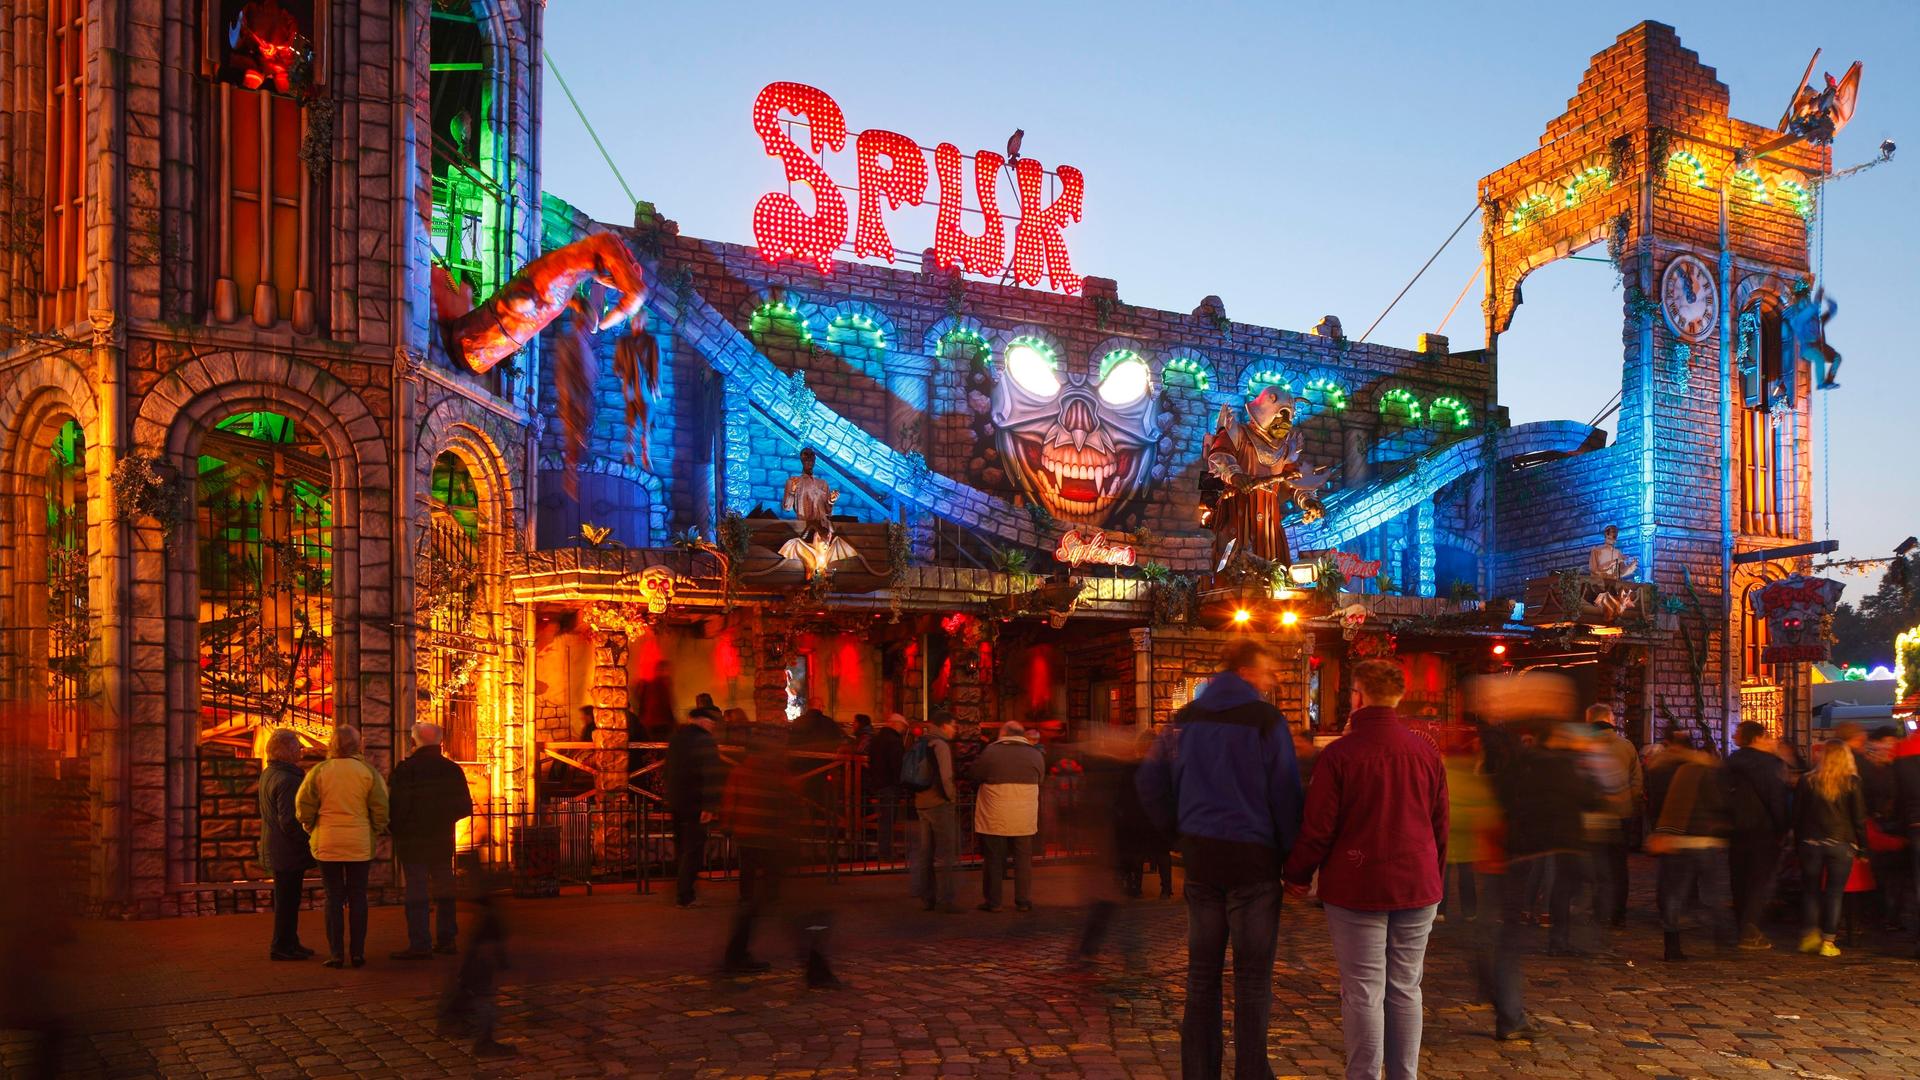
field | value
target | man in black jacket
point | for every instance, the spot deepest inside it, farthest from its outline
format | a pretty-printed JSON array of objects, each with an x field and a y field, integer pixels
[
  {"x": 693, "y": 788},
  {"x": 283, "y": 843},
  {"x": 427, "y": 795},
  {"x": 1757, "y": 807}
]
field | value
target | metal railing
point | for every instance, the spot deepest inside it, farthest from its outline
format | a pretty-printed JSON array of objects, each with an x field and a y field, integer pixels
[{"x": 842, "y": 824}]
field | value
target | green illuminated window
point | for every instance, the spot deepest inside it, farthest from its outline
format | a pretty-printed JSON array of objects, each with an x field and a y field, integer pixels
[
  {"x": 1265, "y": 377},
  {"x": 468, "y": 200}
]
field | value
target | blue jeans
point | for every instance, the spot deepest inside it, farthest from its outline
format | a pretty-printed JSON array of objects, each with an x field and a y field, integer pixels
[
  {"x": 1381, "y": 955},
  {"x": 936, "y": 858},
  {"x": 1680, "y": 872},
  {"x": 1820, "y": 901},
  {"x": 429, "y": 884},
  {"x": 1248, "y": 917}
]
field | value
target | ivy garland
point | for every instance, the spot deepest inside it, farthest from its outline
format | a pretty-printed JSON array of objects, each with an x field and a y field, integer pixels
[{"x": 144, "y": 486}]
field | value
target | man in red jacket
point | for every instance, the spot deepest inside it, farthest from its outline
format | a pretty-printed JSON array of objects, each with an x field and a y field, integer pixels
[{"x": 1376, "y": 830}]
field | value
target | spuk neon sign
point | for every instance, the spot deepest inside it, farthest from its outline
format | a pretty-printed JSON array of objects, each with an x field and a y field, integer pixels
[{"x": 895, "y": 167}]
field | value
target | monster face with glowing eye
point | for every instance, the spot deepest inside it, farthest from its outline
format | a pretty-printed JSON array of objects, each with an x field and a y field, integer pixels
[{"x": 1083, "y": 446}]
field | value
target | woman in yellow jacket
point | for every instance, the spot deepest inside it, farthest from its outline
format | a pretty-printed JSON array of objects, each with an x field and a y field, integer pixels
[{"x": 343, "y": 805}]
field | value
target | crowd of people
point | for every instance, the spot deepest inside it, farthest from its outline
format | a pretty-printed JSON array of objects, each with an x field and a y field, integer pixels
[{"x": 1519, "y": 821}]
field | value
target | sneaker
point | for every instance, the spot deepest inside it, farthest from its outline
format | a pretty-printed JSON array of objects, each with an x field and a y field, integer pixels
[
  {"x": 277, "y": 955},
  {"x": 1810, "y": 942},
  {"x": 1755, "y": 942},
  {"x": 306, "y": 953},
  {"x": 1526, "y": 1032},
  {"x": 334, "y": 962},
  {"x": 1828, "y": 948}
]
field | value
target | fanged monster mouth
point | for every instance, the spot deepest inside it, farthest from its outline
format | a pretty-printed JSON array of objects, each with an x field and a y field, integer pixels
[{"x": 1077, "y": 482}]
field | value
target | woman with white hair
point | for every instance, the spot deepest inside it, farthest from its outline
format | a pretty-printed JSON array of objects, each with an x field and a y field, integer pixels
[
  {"x": 343, "y": 804},
  {"x": 283, "y": 843}
]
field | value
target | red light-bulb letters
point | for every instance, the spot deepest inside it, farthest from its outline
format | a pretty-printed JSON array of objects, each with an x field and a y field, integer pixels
[
  {"x": 780, "y": 227},
  {"x": 902, "y": 180}
]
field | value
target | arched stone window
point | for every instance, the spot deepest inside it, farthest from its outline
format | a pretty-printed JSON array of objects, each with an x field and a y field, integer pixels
[
  {"x": 272, "y": 139},
  {"x": 63, "y": 267},
  {"x": 455, "y": 606},
  {"x": 63, "y": 543},
  {"x": 469, "y": 201},
  {"x": 264, "y": 531}
]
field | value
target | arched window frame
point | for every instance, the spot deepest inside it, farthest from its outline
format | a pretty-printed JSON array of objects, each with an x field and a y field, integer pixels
[
  {"x": 1400, "y": 403},
  {"x": 469, "y": 221}
]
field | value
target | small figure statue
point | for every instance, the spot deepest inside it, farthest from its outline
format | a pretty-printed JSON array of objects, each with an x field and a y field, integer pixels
[
  {"x": 1803, "y": 327},
  {"x": 1258, "y": 464},
  {"x": 264, "y": 44},
  {"x": 1608, "y": 566},
  {"x": 810, "y": 501}
]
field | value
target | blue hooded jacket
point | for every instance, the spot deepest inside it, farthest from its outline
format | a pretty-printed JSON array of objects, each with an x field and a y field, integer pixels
[{"x": 1223, "y": 777}]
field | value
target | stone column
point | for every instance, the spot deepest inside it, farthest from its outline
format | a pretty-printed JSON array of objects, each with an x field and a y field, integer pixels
[
  {"x": 1142, "y": 676},
  {"x": 112, "y": 737}
]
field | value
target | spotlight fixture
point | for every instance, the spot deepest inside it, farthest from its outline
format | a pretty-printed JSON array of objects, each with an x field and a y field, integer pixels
[
  {"x": 1241, "y": 616},
  {"x": 1288, "y": 618}
]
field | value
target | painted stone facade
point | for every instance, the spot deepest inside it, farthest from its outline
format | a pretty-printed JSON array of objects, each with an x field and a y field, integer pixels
[
  {"x": 427, "y": 562},
  {"x": 1642, "y": 165}
]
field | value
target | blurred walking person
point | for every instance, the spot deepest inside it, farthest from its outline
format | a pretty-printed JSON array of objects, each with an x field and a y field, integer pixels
[
  {"x": 1757, "y": 810},
  {"x": 757, "y": 807},
  {"x": 283, "y": 843},
  {"x": 1006, "y": 813},
  {"x": 428, "y": 796},
  {"x": 1906, "y": 819},
  {"x": 1618, "y": 832},
  {"x": 1830, "y": 827},
  {"x": 693, "y": 789},
  {"x": 1687, "y": 800},
  {"x": 928, "y": 771},
  {"x": 343, "y": 805},
  {"x": 1375, "y": 829},
  {"x": 470, "y": 1005},
  {"x": 1223, "y": 779}
]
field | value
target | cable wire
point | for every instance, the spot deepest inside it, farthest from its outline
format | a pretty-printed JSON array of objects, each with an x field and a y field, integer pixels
[
  {"x": 592, "y": 134},
  {"x": 1423, "y": 269}
]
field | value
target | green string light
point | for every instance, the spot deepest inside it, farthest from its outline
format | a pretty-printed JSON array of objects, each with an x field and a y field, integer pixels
[
  {"x": 1691, "y": 165},
  {"x": 1194, "y": 370},
  {"x": 1453, "y": 407},
  {"x": 1264, "y": 378},
  {"x": 1402, "y": 398},
  {"x": 1330, "y": 393}
]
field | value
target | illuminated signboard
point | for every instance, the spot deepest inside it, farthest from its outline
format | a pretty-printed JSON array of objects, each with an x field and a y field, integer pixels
[
  {"x": 1092, "y": 546},
  {"x": 894, "y": 166}
]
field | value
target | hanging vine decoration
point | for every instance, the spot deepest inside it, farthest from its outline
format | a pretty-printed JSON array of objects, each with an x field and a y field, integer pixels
[
  {"x": 144, "y": 486},
  {"x": 899, "y": 563}
]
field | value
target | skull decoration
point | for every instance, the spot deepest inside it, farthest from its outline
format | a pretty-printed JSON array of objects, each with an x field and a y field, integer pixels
[{"x": 1081, "y": 443}]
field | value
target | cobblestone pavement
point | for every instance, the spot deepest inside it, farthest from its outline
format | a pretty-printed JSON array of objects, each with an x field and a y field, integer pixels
[{"x": 624, "y": 985}]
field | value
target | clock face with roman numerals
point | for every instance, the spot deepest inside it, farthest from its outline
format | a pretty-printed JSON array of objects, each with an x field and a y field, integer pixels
[{"x": 1688, "y": 296}]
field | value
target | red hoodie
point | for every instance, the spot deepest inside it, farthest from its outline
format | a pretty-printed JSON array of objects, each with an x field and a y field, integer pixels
[{"x": 1376, "y": 818}]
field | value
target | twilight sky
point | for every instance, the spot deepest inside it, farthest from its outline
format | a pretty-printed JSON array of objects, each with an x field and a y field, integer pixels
[{"x": 1296, "y": 159}]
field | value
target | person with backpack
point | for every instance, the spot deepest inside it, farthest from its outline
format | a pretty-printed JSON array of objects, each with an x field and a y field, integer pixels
[
  {"x": 1222, "y": 778},
  {"x": 927, "y": 771}
]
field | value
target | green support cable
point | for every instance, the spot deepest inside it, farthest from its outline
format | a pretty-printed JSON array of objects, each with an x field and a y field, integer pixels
[{"x": 592, "y": 134}]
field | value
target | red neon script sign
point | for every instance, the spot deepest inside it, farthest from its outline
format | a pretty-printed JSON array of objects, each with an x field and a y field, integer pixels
[
  {"x": 1092, "y": 546},
  {"x": 894, "y": 166}
]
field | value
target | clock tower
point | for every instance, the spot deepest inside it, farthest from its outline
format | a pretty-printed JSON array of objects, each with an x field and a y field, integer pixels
[{"x": 1707, "y": 230}]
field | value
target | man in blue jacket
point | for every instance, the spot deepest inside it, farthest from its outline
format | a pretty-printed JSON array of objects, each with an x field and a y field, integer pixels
[{"x": 1223, "y": 778}]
